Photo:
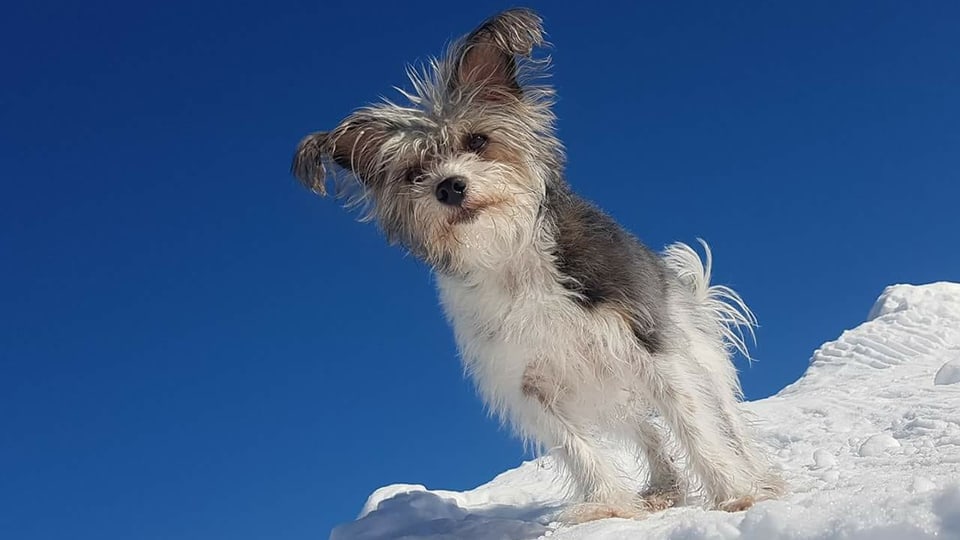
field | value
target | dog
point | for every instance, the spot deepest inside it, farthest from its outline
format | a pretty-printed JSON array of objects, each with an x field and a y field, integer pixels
[{"x": 574, "y": 332}]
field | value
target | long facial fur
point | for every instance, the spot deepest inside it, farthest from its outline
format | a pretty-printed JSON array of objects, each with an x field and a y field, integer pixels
[{"x": 548, "y": 296}]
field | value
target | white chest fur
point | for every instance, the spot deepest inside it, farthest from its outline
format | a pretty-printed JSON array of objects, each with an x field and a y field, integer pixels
[{"x": 519, "y": 316}]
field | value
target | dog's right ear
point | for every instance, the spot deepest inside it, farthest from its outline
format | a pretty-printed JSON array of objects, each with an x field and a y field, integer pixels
[
  {"x": 353, "y": 145},
  {"x": 308, "y": 162}
]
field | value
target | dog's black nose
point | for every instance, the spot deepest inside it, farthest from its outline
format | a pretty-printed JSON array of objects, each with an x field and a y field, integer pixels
[{"x": 452, "y": 190}]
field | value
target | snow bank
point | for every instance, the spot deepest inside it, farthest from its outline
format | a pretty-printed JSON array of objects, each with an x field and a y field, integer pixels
[{"x": 868, "y": 439}]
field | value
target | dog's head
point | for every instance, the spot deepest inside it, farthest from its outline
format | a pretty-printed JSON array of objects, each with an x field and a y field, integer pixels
[{"x": 457, "y": 174}]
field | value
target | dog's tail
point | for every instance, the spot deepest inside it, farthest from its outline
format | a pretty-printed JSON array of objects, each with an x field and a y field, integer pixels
[{"x": 730, "y": 317}]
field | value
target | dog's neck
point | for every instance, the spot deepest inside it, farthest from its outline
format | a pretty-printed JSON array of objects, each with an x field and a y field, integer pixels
[{"x": 531, "y": 268}]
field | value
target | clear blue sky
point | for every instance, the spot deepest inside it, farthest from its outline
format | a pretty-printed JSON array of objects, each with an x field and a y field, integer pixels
[{"x": 192, "y": 346}]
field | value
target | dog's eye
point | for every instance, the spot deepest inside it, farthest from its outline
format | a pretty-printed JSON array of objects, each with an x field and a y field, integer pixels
[
  {"x": 413, "y": 175},
  {"x": 476, "y": 142}
]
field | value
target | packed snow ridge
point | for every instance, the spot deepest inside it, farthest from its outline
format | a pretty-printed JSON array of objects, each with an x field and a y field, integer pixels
[{"x": 868, "y": 440}]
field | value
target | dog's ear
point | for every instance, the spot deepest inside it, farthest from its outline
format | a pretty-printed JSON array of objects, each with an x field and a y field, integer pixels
[
  {"x": 308, "y": 162},
  {"x": 486, "y": 60},
  {"x": 353, "y": 145}
]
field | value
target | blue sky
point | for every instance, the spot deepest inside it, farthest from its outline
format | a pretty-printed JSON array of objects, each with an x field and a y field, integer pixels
[{"x": 192, "y": 346}]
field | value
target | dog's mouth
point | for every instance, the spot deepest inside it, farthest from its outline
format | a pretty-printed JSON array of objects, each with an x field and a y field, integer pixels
[
  {"x": 461, "y": 216},
  {"x": 470, "y": 211}
]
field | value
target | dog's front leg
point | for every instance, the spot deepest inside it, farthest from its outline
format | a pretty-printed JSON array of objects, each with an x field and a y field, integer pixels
[
  {"x": 665, "y": 488},
  {"x": 592, "y": 472}
]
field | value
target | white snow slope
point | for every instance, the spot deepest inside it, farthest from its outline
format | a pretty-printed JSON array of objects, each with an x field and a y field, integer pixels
[{"x": 868, "y": 439}]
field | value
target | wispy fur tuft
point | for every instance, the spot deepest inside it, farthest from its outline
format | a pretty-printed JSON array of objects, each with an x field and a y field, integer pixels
[{"x": 732, "y": 319}]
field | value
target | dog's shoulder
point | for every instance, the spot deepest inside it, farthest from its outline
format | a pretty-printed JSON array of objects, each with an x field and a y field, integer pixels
[{"x": 606, "y": 265}]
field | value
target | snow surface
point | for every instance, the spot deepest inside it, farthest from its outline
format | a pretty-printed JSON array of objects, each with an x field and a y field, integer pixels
[{"x": 868, "y": 440}]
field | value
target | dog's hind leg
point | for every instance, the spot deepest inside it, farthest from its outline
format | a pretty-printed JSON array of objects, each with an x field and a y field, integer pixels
[
  {"x": 765, "y": 482},
  {"x": 719, "y": 390},
  {"x": 724, "y": 473}
]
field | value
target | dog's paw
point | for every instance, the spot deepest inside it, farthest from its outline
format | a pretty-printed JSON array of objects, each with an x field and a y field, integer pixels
[
  {"x": 737, "y": 505},
  {"x": 656, "y": 500},
  {"x": 584, "y": 512}
]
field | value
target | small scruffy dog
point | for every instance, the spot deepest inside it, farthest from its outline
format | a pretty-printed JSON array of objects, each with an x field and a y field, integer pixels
[{"x": 574, "y": 332}]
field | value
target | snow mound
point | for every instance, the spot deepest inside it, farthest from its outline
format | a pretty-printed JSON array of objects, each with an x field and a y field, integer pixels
[
  {"x": 868, "y": 440},
  {"x": 949, "y": 373}
]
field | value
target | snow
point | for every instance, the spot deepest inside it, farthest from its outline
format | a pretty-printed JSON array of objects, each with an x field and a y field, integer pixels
[
  {"x": 877, "y": 445},
  {"x": 948, "y": 373},
  {"x": 868, "y": 440}
]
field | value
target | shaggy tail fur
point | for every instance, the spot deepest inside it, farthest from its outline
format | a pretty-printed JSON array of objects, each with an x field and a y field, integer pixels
[{"x": 733, "y": 320}]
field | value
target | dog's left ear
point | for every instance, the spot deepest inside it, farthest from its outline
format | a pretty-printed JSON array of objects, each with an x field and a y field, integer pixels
[{"x": 487, "y": 58}]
